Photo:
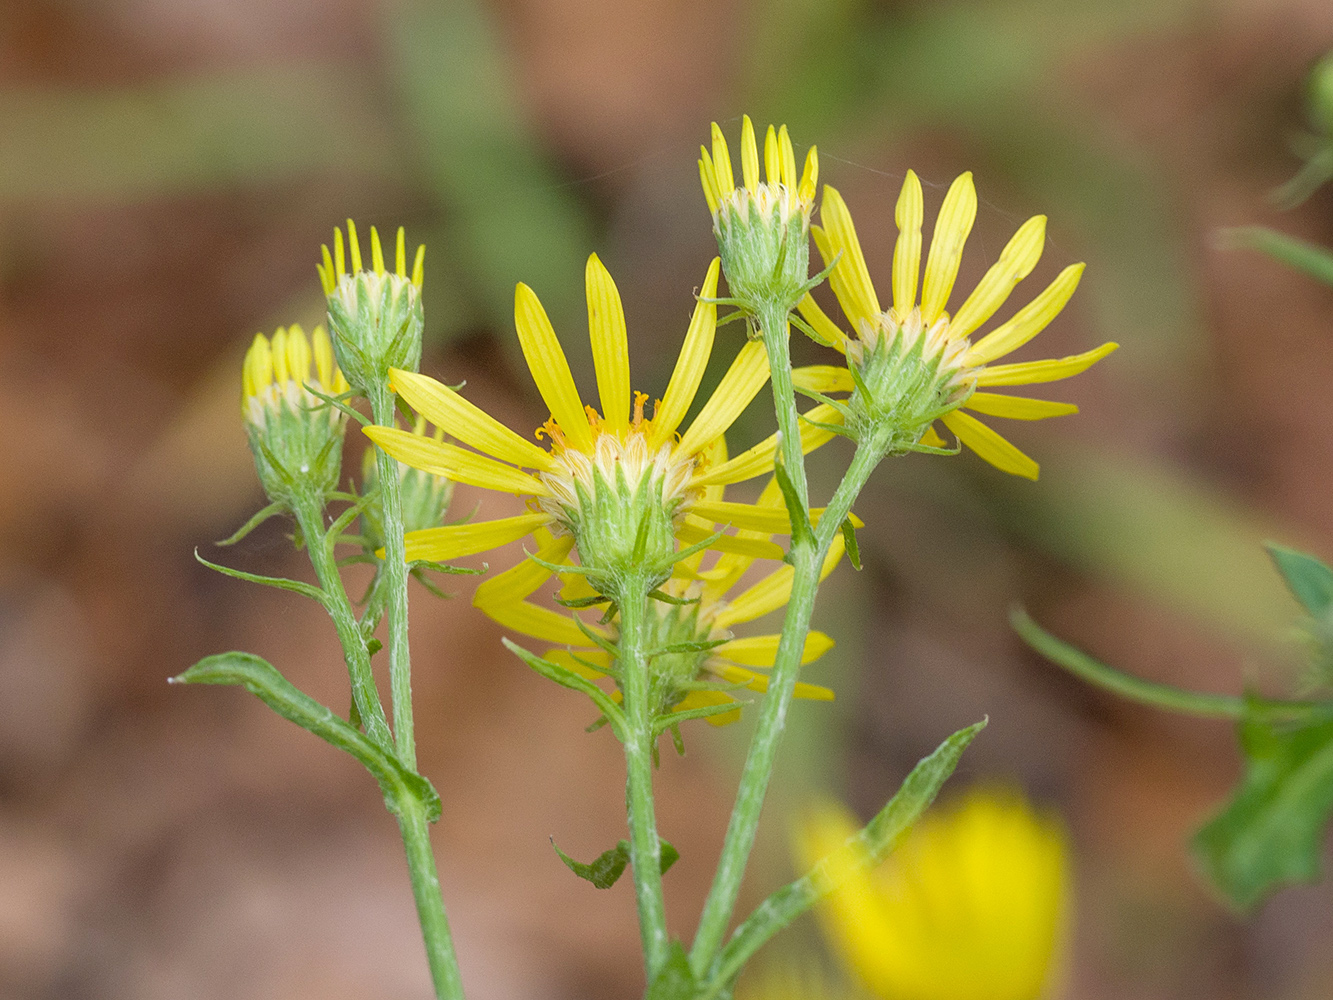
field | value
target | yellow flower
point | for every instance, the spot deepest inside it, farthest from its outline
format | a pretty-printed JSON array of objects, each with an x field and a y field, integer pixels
[
  {"x": 940, "y": 345},
  {"x": 684, "y": 681},
  {"x": 591, "y": 453},
  {"x": 971, "y": 905}
]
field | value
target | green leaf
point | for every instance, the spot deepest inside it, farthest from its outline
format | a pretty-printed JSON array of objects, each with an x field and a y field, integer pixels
[
  {"x": 1271, "y": 832},
  {"x": 567, "y": 678},
  {"x": 1315, "y": 261},
  {"x": 610, "y": 865},
  {"x": 853, "y": 550},
  {"x": 282, "y": 583},
  {"x": 1310, "y": 581},
  {"x": 252, "y": 524},
  {"x": 675, "y": 980},
  {"x": 871, "y": 845},
  {"x": 262, "y": 679},
  {"x": 801, "y": 531}
]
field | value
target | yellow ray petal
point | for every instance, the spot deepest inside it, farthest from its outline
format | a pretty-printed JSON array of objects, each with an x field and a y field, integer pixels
[
  {"x": 695, "y": 529},
  {"x": 772, "y": 158},
  {"x": 540, "y": 623},
  {"x": 550, "y": 370},
  {"x": 690, "y": 366},
  {"x": 708, "y": 180},
  {"x": 569, "y": 659},
  {"x": 932, "y": 439},
  {"x": 788, "y": 159},
  {"x": 712, "y": 454},
  {"x": 758, "y": 682},
  {"x": 1016, "y": 262},
  {"x": 759, "y": 459},
  {"x": 952, "y": 227},
  {"x": 453, "y": 541},
  {"x": 850, "y": 279},
  {"x": 1028, "y": 321},
  {"x": 739, "y": 385},
  {"x": 704, "y": 699},
  {"x": 809, "y": 176},
  {"x": 762, "y": 650},
  {"x": 519, "y": 581},
  {"x": 749, "y": 156},
  {"x": 610, "y": 345},
  {"x": 459, "y": 464},
  {"x": 730, "y": 566},
  {"x": 753, "y": 517},
  {"x": 993, "y": 404},
  {"x": 1051, "y": 370},
  {"x": 772, "y": 592},
  {"x": 822, "y": 325},
  {"x": 822, "y": 378},
  {"x": 908, "y": 214},
  {"x": 466, "y": 421},
  {"x": 990, "y": 445},
  {"x": 726, "y": 182}
]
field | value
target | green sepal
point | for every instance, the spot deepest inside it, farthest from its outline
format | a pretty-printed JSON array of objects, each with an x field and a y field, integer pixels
[
  {"x": 664, "y": 722},
  {"x": 801, "y": 531},
  {"x": 853, "y": 549},
  {"x": 600, "y": 641},
  {"x": 675, "y": 979},
  {"x": 1271, "y": 832},
  {"x": 665, "y": 598},
  {"x": 262, "y": 679},
  {"x": 253, "y": 523},
  {"x": 688, "y": 551},
  {"x": 419, "y": 576},
  {"x": 339, "y": 403},
  {"x": 610, "y": 865},
  {"x": 282, "y": 583},
  {"x": 688, "y": 646},
  {"x": 930, "y": 449},
  {"x": 567, "y": 678},
  {"x": 579, "y": 603},
  {"x": 677, "y": 740},
  {"x": 1308, "y": 579}
]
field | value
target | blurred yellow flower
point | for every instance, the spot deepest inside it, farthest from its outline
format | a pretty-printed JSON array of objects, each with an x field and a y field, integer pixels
[
  {"x": 940, "y": 343},
  {"x": 971, "y": 905}
]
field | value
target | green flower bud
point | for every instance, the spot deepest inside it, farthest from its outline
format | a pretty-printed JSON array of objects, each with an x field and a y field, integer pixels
[
  {"x": 375, "y": 316},
  {"x": 904, "y": 378},
  {"x": 425, "y": 496},
  {"x": 620, "y": 502},
  {"x": 295, "y": 437},
  {"x": 762, "y": 228}
]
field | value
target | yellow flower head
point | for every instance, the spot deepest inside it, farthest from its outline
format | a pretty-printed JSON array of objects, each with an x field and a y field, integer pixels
[
  {"x": 971, "y": 905},
  {"x": 913, "y": 362},
  {"x": 763, "y": 226},
  {"x": 697, "y": 681},
  {"x": 375, "y": 315},
  {"x": 295, "y": 437},
  {"x": 600, "y": 472}
]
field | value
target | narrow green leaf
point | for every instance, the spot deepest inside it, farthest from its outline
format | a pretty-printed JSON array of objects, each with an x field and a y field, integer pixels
[
  {"x": 262, "y": 679},
  {"x": 1271, "y": 832},
  {"x": 567, "y": 678},
  {"x": 1308, "y": 579},
  {"x": 868, "y": 848},
  {"x": 252, "y": 524},
  {"x": 801, "y": 531},
  {"x": 281, "y": 583},
  {"x": 853, "y": 550},
  {"x": 608, "y": 866},
  {"x": 675, "y": 980},
  {"x": 1315, "y": 261}
]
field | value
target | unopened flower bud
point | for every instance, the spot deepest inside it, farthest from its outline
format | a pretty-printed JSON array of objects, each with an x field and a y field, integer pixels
[
  {"x": 762, "y": 227},
  {"x": 296, "y": 437},
  {"x": 375, "y": 315}
]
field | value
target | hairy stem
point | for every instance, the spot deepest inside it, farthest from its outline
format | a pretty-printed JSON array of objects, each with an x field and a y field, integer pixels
[
  {"x": 394, "y": 573},
  {"x": 440, "y": 955},
  {"x": 310, "y": 516},
  {"x": 645, "y": 846},
  {"x": 807, "y": 560}
]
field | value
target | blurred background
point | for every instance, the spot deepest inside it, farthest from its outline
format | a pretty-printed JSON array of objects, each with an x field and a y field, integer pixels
[{"x": 168, "y": 169}]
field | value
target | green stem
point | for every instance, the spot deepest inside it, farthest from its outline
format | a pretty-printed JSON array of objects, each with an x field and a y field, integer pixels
[
  {"x": 774, "y": 329},
  {"x": 310, "y": 516},
  {"x": 440, "y": 955},
  {"x": 395, "y": 583},
  {"x": 807, "y": 559},
  {"x": 1164, "y": 696},
  {"x": 645, "y": 847}
]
